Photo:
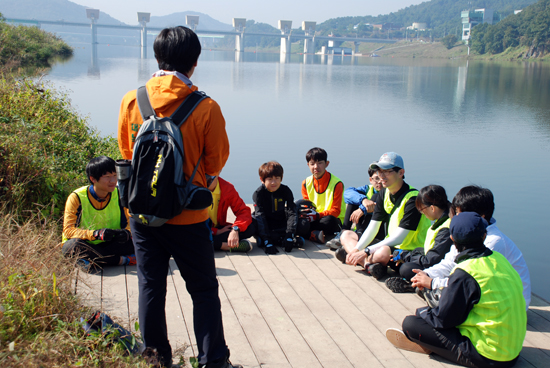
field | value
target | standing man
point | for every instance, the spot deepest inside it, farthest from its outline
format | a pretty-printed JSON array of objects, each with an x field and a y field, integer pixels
[
  {"x": 406, "y": 227},
  {"x": 186, "y": 237}
]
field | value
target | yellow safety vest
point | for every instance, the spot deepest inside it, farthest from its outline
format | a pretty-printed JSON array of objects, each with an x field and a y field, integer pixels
[
  {"x": 414, "y": 239},
  {"x": 432, "y": 234},
  {"x": 497, "y": 324},
  {"x": 323, "y": 201},
  {"x": 92, "y": 218}
]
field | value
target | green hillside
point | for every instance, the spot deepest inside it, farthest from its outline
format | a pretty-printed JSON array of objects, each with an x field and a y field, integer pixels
[
  {"x": 441, "y": 16},
  {"x": 530, "y": 29}
]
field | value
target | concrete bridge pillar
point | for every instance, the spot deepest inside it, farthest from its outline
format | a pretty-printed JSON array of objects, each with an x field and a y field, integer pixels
[
  {"x": 143, "y": 19},
  {"x": 309, "y": 43},
  {"x": 356, "y": 49},
  {"x": 93, "y": 16},
  {"x": 286, "y": 27},
  {"x": 239, "y": 24}
]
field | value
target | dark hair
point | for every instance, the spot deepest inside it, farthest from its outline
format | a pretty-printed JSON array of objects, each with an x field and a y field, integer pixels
[
  {"x": 316, "y": 154},
  {"x": 474, "y": 198},
  {"x": 177, "y": 49},
  {"x": 432, "y": 195},
  {"x": 371, "y": 172},
  {"x": 99, "y": 166},
  {"x": 270, "y": 169}
]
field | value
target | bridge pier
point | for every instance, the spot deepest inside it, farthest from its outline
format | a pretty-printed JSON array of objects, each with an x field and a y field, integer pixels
[
  {"x": 239, "y": 24},
  {"x": 143, "y": 19},
  {"x": 309, "y": 43},
  {"x": 286, "y": 27},
  {"x": 356, "y": 49},
  {"x": 93, "y": 16}
]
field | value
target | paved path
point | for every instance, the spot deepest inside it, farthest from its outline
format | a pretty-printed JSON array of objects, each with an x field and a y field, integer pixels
[{"x": 300, "y": 309}]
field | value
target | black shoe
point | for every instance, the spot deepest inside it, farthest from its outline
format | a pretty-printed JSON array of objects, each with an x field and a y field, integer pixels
[
  {"x": 420, "y": 293},
  {"x": 221, "y": 363},
  {"x": 399, "y": 285},
  {"x": 432, "y": 297},
  {"x": 341, "y": 255},
  {"x": 377, "y": 270}
]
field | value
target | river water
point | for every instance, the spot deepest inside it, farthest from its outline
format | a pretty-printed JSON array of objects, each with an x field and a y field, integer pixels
[{"x": 454, "y": 122}]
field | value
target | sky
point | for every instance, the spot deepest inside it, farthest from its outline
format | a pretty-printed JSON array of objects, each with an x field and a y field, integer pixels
[{"x": 260, "y": 11}]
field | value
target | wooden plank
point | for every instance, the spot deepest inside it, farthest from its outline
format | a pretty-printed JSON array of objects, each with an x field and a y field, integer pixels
[
  {"x": 179, "y": 313},
  {"x": 351, "y": 302},
  {"x": 133, "y": 295},
  {"x": 262, "y": 339},
  {"x": 88, "y": 288},
  {"x": 114, "y": 294}
]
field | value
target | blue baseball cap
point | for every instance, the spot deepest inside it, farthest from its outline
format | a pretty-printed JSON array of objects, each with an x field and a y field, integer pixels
[
  {"x": 388, "y": 160},
  {"x": 468, "y": 228}
]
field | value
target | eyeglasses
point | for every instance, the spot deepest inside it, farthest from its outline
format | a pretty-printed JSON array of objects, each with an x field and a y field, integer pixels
[
  {"x": 385, "y": 172},
  {"x": 421, "y": 210},
  {"x": 376, "y": 179}
]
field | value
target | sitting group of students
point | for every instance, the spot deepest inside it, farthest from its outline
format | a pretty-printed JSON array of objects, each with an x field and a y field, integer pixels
[{"x": 474, "y": 278}]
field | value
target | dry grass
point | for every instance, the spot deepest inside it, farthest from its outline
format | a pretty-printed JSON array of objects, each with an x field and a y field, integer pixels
[{"x": 39, "y": 313}]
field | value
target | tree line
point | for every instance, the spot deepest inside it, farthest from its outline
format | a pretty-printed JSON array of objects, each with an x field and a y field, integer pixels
[{"x": 530, "y": 27}]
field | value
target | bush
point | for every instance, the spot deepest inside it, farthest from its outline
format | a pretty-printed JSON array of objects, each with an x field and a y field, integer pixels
[
  {"x": 44, "y": 148},
  {"x": 449, "y": 41},
  {"x": 22, "y": 46}
]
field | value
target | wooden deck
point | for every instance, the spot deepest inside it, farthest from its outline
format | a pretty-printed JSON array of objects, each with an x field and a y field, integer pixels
[{"x": 300, "y": 309}]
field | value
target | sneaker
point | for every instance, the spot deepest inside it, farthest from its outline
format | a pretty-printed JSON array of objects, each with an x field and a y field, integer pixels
[
  {"x": 300, "y": 242},
  {"x": 341, "y": 255},
  {"x": 317, "y": 236},
  {"x": 420, "y": 293},
  {"x": 131, "y": 260},
  {"x": 335, "y": 244},
  {"x": 244, "y": 246},
  {"x": 432, "y": 297},
  {"x": 401, "y": 341},
  {"x": 221, "y": 363},
  {"x": 399, "y": 285},
  {"x": 84, "y": 264},
  {"x": 271, "y": 249},
  {"x": 377, "y": 270}
]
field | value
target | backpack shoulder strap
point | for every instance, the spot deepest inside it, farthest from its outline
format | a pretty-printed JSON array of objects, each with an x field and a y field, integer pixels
[
  {"x": 187, "y": 107},
  {"x": 144, "y": 103}
]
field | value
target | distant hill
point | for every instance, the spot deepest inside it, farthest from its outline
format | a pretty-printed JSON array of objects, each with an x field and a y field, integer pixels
[
  {"x": 66, "y": 10},
  {"x": 206, "y": 22},
  {"x": 441, "y": 16}
]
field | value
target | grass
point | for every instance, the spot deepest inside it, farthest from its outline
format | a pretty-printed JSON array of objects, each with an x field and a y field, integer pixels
[{"x": 39, "y": 312}]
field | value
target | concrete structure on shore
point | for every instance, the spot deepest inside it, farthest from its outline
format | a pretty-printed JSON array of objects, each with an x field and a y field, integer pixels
[{"x": 471, "y": 18}]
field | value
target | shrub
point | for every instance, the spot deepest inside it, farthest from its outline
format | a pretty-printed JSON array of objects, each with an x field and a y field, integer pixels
[
  {"x": 44, "y": 147},
  {"x": 449, "y": 41}
]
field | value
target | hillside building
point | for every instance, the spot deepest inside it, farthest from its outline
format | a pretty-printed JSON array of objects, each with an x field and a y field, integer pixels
[{"x": 471, "y": 18}]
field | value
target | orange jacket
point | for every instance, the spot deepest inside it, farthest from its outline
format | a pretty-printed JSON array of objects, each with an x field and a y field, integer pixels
[
  {"x": 320, "y": 186},
  {"x": 204, "y": 131}
]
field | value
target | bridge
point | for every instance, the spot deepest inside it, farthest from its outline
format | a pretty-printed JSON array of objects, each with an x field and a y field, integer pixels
[{"x": 192, "y": 21}]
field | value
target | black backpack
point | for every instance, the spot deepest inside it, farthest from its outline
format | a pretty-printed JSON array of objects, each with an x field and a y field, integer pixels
[{"x": 156, "y": 190}]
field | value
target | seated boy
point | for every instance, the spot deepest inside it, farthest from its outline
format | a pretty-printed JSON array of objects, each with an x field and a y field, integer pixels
[
  {"x": 406, "y": 227},
  {"x": 226, "y": 236},
  {"x": 326, "y": 192},
  {"x": 274, "y": 210},
  {"x": 473, "y": 198},
  {"x": 95, "y": 226},
  {"x": 481, "y": 319},
  {"x": 360, "y": 204}
]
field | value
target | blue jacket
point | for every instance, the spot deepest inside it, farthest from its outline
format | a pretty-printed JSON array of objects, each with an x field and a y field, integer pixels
[{"x": 355, "y": 196}]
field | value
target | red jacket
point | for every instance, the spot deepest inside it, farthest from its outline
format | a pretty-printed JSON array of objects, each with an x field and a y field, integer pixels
[{"x": 230, "y": 198}]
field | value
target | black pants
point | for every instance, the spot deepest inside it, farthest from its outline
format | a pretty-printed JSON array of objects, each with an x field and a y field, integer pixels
[
  {"x": 222, "y": 238},
  {"x": 449, "y": 343},
  {"x": 330, "y": 226},
  {"x": 101, "y": 254},
  {"x": 363, "y": 221},
  {"x": 192, "y": 250}
]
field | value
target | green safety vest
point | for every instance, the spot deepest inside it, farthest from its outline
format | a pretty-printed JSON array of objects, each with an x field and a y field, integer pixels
[
  {"x": 93, "y": 219},
  {"x": 414, "y": 239},
  {"x": 432, "y": 234},
  {"x": 370, "y": 193},
  {"x": 497, "y": 324},
  {"x": 323, "y": 201}
]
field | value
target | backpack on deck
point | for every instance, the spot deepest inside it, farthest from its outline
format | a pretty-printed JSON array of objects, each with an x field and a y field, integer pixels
[{"x": 156, "y": 189}]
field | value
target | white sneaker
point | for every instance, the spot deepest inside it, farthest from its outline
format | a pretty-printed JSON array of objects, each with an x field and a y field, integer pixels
[{"x": 400, "y": 340}]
